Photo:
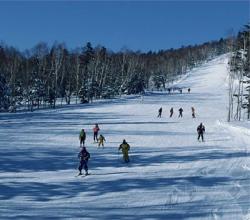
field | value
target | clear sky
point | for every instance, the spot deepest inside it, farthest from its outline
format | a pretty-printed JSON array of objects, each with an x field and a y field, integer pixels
[{"x": 140, "y": 25}]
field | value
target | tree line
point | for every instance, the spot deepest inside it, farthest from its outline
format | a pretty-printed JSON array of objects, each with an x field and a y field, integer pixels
[
  {"x": 43, "y": 76},
  {"x": 239, "y": 76}
]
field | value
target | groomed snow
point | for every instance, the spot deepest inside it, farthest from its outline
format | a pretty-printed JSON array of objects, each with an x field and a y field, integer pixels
[{"x": 171, "y": 174}]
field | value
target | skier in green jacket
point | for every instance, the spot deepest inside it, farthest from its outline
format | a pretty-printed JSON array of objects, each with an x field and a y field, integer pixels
[{"x": 82, "y": 137}]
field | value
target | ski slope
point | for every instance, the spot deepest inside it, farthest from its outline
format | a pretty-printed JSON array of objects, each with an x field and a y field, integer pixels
[{"x": 171, "y": 174}]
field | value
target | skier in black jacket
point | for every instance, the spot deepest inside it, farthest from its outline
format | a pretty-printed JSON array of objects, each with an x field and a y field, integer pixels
[
  {"x": 171, "y": 112},
  {"x": 180, "y": 112},
  {"x": 160, "y": 111},
  {"x": 201, "y": 131}
]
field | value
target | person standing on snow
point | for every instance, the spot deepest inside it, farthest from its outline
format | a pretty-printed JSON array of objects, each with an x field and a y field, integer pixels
[
  {"x": 201, "y": 131},
  {"x": 125, "y": 147},
  {"x": 193, "y": 112},
  {"x": 82, "y": 137},
  {"x": 101, "y": 140},
  {"x": 84, "y": 156},
  {"x": 180, "y": 113},
  {"x": 96, "y": 130},
  {"x": 160, "y": 111},
  {"x": 171, "y": 112}
]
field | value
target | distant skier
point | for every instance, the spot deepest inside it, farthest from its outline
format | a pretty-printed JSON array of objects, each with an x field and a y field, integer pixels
[
  {"x": 82, "y": 137},
  {"x": 169, "y": 90},
  {"x": 193, "y": 112},
  {"x": 180, "y": 112},
  {"x": 125, "y": 147},
  {"x": 160, "y": 112},
  {"x": 171, "y": 112},
  {"x": 84, "y": 156},
  {"x": 101, "y": 140},
  {"x": 96, "y": 130},
  {"x": 180, "y": 91},
  {"x": 189, "y": 90},
  {"x": 201, "y": 131}
]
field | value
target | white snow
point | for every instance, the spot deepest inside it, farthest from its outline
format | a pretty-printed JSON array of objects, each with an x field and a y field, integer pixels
[{"x": 171, "y": 174}]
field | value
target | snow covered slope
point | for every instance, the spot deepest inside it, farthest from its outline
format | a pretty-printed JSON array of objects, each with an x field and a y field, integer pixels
[{"x": 171, "y": 174}]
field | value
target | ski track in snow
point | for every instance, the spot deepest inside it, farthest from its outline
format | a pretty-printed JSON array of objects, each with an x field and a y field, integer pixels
[{"x": 171, "y": 174}]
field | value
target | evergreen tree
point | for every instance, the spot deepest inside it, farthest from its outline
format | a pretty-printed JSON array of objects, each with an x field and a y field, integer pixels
[
  {"x": 135, "y": 85},
  {"x": 83, "y": 95},
  {"x": 4, "y": 94}
]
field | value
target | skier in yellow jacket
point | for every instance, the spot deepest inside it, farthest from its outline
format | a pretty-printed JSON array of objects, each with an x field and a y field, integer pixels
[
  {"x": 101, "y": 140},
  {"x": 125, "y": 148}
]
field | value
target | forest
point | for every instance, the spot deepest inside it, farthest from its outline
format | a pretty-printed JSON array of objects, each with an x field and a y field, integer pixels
[{"x": 44, "y": 76}]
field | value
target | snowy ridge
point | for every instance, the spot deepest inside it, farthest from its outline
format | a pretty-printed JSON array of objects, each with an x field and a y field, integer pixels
[
  {"x": 241, "y": 133},
  {"x": 171, "y": 174}
]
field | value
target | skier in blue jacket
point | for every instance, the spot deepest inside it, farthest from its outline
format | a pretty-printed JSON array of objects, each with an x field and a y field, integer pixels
[{"x": 84, "y": 156}]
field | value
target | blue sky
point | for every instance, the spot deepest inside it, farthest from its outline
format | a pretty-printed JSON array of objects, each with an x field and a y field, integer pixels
[{"x": 140, "y": 25}]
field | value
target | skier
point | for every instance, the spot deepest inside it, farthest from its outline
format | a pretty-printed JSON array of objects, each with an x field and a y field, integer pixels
[
  {"x": 193, "y": 112},
  {"x": 101, "y": 140},
  {"x": 82, "y": 137},
  {"x": 180, "y": 91},
  {"x": 189, "y": 90},
  {"x": 169, "y": 90},
  {"x": 95, "y": 130},
  {"x": 84, "y": 156},
  {"x": 201, "y": 131},
  {"x": 160, "y": 111},
  {"x": 171, "y": 112},
  {"x": 180, "y": 113},
  {"x": 125, "y": 148}
]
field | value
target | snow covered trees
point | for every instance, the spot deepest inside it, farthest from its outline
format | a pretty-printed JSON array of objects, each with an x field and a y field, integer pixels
[
  {"x": 44, "y": 76},
  {"x": 239, "y": 76}
]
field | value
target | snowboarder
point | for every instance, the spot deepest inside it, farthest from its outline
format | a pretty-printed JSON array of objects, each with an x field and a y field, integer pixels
[
  {"x": 82, "y": 137},
  {"x": 171, "y": 112},
  {"x": 125, "y": 147},
  {"x": 101, "y": 140},
  {"x": 201, "y": 131},
  {"x": 160, "y": 111},
  {"x": 180, "y": 113},
  {"x": 193, "y": 112},
  {"x": 84, "y": 156},
  {"x": 96, "y": 130}
]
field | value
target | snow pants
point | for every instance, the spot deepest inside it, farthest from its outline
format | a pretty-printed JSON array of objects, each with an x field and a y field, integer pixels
[
  {"x": 101, "y": 143},
  {"x": 95, "y": 136},
  {"x": 82, "y": 141},
  {"x": 125, "y": 156},
  {"x": 200, "y": 135},
  {"x": 83, "y": 164}
]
